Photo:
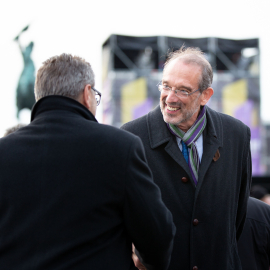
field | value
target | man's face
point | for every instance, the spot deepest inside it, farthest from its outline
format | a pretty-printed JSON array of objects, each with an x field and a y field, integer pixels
[{"x": 181, "y": 111}]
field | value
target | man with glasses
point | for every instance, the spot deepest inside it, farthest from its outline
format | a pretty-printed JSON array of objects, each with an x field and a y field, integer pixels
[
  {"x": 201, "y": 161},
  {"x": 75, "y": 194}
]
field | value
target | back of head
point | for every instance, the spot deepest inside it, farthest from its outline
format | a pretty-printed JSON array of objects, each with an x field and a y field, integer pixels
[
  {"x": 63, "y": 75},
  {"x": 191, "y": 55}
]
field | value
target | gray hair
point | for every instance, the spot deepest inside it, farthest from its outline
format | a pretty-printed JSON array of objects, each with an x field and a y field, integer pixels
[
  {"x": 63, "y": 75},
  {"x": 194, "y": 55}
]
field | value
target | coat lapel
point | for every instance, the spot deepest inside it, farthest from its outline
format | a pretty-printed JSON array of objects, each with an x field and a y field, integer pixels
[
  {"x": 212, "y": 141},
  {"x": 173, "y": 150},
  {"x": 159, "y": 134}
]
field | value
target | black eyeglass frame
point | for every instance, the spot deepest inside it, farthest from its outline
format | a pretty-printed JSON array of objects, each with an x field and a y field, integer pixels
[{"x": 97, "y": 93}]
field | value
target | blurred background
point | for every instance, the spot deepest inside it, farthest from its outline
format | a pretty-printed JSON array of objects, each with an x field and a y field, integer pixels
[{"x": 126, "y": 43}]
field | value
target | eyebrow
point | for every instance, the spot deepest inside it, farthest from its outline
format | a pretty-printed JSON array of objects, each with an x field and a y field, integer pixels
[{"x": 185, "y": 87}]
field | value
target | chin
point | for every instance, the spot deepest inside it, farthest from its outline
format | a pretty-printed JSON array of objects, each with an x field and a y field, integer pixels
[{"x": 174, "y": 120}]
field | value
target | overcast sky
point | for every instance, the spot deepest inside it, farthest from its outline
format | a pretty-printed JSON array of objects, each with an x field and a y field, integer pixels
[{"x": 80, "y": 27}]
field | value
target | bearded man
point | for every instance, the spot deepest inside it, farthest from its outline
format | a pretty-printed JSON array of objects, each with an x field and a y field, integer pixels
[{"x": 201, "y": 161}]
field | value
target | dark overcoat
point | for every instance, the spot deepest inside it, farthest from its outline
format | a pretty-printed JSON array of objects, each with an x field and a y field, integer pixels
[
  {"x": 74, "y": 194},
  {"x": 254, "y": 243},
  {"x": 210, "y": 217}
]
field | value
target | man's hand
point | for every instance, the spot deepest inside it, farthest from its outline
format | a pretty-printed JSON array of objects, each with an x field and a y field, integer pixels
[{"x": 136, "y": 260}]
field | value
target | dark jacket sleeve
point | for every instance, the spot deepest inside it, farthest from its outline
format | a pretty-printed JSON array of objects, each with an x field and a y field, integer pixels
[
  {"x": 148, "y": 221},
  {"x": 245, "y": 187}
]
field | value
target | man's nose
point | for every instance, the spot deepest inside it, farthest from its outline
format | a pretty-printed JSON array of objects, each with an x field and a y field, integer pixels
[{"x": 171, "y": 97}]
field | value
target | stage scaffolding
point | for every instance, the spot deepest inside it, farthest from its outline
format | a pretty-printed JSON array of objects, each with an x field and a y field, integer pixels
[{"x": 132, "y": 67}]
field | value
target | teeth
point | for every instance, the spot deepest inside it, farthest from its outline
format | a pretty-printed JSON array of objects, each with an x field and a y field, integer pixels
[{"x": 171, "y": 108}]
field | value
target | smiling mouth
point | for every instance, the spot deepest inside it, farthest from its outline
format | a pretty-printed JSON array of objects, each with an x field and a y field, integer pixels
[{"x": 172, "y": 108}]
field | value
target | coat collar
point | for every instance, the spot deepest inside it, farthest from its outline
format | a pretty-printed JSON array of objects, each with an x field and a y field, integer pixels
[
  {"x": 212, "y": 142},
  {"x": 54, "y": 104},
  {"x": 213, "y": 139}
]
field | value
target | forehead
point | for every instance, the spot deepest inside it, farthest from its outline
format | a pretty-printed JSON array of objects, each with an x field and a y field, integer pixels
[{"x": 178, "y": 73}]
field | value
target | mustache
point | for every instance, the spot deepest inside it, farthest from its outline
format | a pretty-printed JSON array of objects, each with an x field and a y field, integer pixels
[{"x": 176, "y": 104}]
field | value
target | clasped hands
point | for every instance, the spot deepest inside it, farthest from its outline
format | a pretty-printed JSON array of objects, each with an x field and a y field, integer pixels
[{"x": 136, "y": 260}]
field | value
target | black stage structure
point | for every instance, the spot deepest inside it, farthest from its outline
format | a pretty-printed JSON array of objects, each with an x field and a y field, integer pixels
[{"x": 132, "y": 67}]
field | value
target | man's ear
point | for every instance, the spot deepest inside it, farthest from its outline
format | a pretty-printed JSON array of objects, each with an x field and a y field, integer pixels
[
  {"x": 206, "y": 95},
  {"x": 86, "y": 96}
]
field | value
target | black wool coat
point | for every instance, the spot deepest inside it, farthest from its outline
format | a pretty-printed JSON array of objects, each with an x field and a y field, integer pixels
[
  {"x": 254, "y": 243},
  {"x": 210, "y": 217},
  {"x": 74, "y": 194}
]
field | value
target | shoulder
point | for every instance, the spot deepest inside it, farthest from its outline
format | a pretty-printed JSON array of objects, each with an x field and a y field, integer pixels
[
  {"x": 148, "y": 127},
  {"x": 120, "y": 144},
  {"x": 139, "y": 127},
  {"x": 115, "y": 135},
  {"x": 136, "y": 125},
  {"x": 154, "y": 116},
  {"x": 228, "y": 123},
  {"x": 258, "y": 211},
  {"x": 14, "y": 137}
]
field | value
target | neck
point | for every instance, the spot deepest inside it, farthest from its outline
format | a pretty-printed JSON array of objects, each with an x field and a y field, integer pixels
[{"x": 187, "y": 124}]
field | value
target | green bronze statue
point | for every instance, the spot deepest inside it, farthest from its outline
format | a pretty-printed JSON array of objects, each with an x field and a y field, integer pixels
[{"x": 25, "y": 89}]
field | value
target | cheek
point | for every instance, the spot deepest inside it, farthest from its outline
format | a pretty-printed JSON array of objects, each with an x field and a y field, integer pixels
[{"x": 162, "y": 96}]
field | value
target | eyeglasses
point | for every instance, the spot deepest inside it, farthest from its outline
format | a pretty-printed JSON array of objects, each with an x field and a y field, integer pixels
[
  {"x": 97, "y": 95},
  {"x": 177, "y": 92}
]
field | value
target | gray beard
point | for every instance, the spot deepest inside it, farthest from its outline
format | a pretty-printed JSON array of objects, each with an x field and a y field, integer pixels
[
  {"x": 183, "y": 120},
  {"x": 185, "y": 117}
]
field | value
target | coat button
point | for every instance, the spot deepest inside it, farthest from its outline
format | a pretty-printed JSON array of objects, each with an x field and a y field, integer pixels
[
  {"x": 195, "y": 223},
  {"x": 184, "y": 179},
  {"x": 195, "y": 268}
]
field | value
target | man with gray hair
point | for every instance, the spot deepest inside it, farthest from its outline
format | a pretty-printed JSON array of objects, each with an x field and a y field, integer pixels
[
  {"x": 201, "y": 161},
  {"x": 75, "y": 194}
]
